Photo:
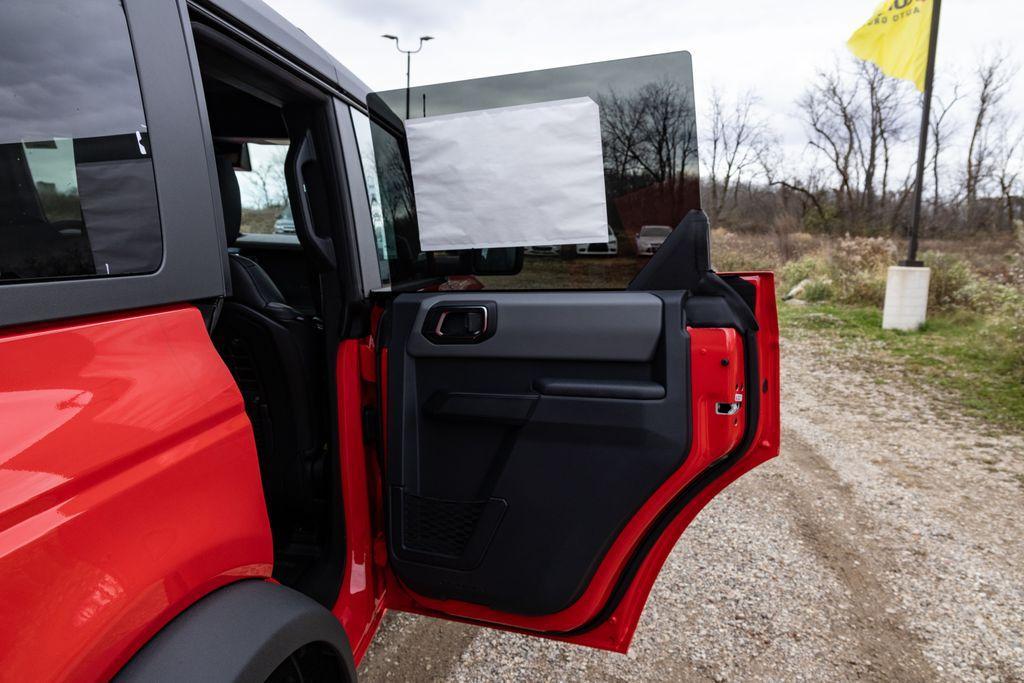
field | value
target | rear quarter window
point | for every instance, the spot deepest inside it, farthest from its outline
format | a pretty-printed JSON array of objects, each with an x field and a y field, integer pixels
[{"x": 77, "y": 191}]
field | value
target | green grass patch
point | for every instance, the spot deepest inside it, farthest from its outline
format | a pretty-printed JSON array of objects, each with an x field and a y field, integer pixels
[{"x": 972, "y": 357}]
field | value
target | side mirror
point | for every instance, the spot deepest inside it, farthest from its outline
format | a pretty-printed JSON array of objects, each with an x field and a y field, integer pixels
[{"x": 498, "y": 261}]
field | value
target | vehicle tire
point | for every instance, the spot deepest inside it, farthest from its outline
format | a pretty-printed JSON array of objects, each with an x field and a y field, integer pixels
[
  {"x": 250, "y": 631},
  {"x": 311, "y": 663}
]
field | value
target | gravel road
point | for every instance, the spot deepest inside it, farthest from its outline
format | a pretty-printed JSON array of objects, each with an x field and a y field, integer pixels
[{"x": 885, "y": 543}]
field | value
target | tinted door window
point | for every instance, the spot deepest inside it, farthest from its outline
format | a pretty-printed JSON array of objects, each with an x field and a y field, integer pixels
[
  {"x": 77, "y": 192},
  {"x": 649, "y": 141},
  {"x": 392, "y": 208}
]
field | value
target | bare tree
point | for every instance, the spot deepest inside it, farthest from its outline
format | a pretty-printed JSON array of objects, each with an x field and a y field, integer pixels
[
  {"x": 622, "y": 121},
  {"x": 940, "y": 134},
  {"x": 773, "y": 165},
  {"x": 1007, "y": 162},
  {"x": 649, "y": 135},
  {"x": 668, "y": 140},
  {"x": 268, "y": 179},
  {"x": 899, "y": 214},
  {"x": 831, "y": 109},
  {"x": 883, "y": 128},
  {"x": 993, "y": 77},
  {"x": 736, "y": 140}
]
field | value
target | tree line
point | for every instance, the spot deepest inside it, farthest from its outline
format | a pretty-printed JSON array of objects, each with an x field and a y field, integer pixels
[{"x": 856, "y": 171}]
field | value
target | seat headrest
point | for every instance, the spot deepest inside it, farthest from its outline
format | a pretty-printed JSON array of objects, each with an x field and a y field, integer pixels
[{"x": 230, "y": 198}]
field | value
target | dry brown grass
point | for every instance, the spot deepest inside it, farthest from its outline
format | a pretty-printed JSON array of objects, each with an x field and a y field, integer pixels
[
  {"x": 855, "y": 266},
  {"x": 260, "y": 221}
]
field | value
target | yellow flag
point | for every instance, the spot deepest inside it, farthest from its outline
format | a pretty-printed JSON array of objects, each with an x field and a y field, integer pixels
[{"x": 896, "y": 39}]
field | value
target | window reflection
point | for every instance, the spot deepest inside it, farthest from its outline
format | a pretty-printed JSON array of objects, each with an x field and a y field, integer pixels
[
  {"x": 77, "y": 192},
  {"x": 649, "y": 141},
  {"x": 392, "y": 208},
  {"x": 51, "y": 164}
]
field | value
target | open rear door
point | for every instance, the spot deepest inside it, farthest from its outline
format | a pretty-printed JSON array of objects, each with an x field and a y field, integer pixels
[{"x": 546, "y": 449}]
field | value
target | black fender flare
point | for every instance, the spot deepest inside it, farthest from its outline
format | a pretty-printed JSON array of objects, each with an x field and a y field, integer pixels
[{"x": 241, "y": 632}]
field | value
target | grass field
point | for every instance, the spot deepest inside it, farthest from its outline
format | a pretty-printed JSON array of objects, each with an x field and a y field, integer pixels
[{"x": 970, "y": 358}]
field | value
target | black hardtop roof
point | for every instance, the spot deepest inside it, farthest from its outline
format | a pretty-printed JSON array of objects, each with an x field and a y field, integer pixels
[{"x": 259, "y": 20}]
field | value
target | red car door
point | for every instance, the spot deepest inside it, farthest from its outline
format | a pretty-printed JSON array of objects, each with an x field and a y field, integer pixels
[
  {"x": 536, "y": 479},
  {"x": 544, "y": 450}
]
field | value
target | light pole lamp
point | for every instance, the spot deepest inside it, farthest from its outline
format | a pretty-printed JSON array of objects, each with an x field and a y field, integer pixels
[{"x": 408, "y": 62}]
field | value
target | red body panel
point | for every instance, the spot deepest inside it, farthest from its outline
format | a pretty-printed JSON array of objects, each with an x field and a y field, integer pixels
[
  {"x": 714, "y": 436},
  {"x": 129, "y": 487},
  {"x": 360, "y": 604},
  {"x": 717, "y": 377}
]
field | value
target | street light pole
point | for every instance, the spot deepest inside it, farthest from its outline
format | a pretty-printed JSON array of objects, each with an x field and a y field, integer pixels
[
  {"x": 408, "y": 63},
  {"x": 408, "y": 78}
]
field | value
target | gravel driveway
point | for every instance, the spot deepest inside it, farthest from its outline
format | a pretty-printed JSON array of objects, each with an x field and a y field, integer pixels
[{"x": 886, "y": 542}]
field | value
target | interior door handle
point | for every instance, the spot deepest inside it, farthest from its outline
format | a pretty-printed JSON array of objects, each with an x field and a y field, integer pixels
[
  {"x": 466, "y": 323},
  {"x": 459, "y": 324}
]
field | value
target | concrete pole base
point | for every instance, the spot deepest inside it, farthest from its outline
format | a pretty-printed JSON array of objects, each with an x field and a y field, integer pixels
[{"x": 906, "y": 298}]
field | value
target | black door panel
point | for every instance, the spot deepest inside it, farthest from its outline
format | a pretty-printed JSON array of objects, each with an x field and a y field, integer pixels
[
  {"x": 514, "y": 463},
  {"x": 600, "y": 326}
]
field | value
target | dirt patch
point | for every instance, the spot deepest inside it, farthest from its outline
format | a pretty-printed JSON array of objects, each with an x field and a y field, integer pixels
[{"x": 827, "y": 517}]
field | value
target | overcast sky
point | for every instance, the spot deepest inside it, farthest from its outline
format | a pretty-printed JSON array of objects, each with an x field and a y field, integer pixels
[{"x": 773, "y": 48}]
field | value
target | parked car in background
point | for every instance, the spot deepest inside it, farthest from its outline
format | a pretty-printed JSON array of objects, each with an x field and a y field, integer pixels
[
  {"x": 609, "y": 248},
  {"x": 285, "y": 224},
  {"x": 650, "y": 238},
  {"x": 544, "y": 250}
]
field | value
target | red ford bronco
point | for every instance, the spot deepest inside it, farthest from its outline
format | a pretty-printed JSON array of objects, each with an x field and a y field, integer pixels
[{"x": 243, "y": 413}]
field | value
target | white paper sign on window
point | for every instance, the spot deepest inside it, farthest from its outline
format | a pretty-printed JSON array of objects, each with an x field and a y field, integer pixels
[{"x": 507, "y": 177}]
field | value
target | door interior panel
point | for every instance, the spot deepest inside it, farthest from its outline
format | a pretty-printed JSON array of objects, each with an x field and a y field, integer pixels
[
  {"x": 525, "y": 435},
  {"x": 598, "y": 326},
  {"x": 514, "y": 462},
  {"x": 542, "y": 447}
]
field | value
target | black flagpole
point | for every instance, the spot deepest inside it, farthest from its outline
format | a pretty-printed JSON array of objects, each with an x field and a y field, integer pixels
[{"x": 922, "y": 146}]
